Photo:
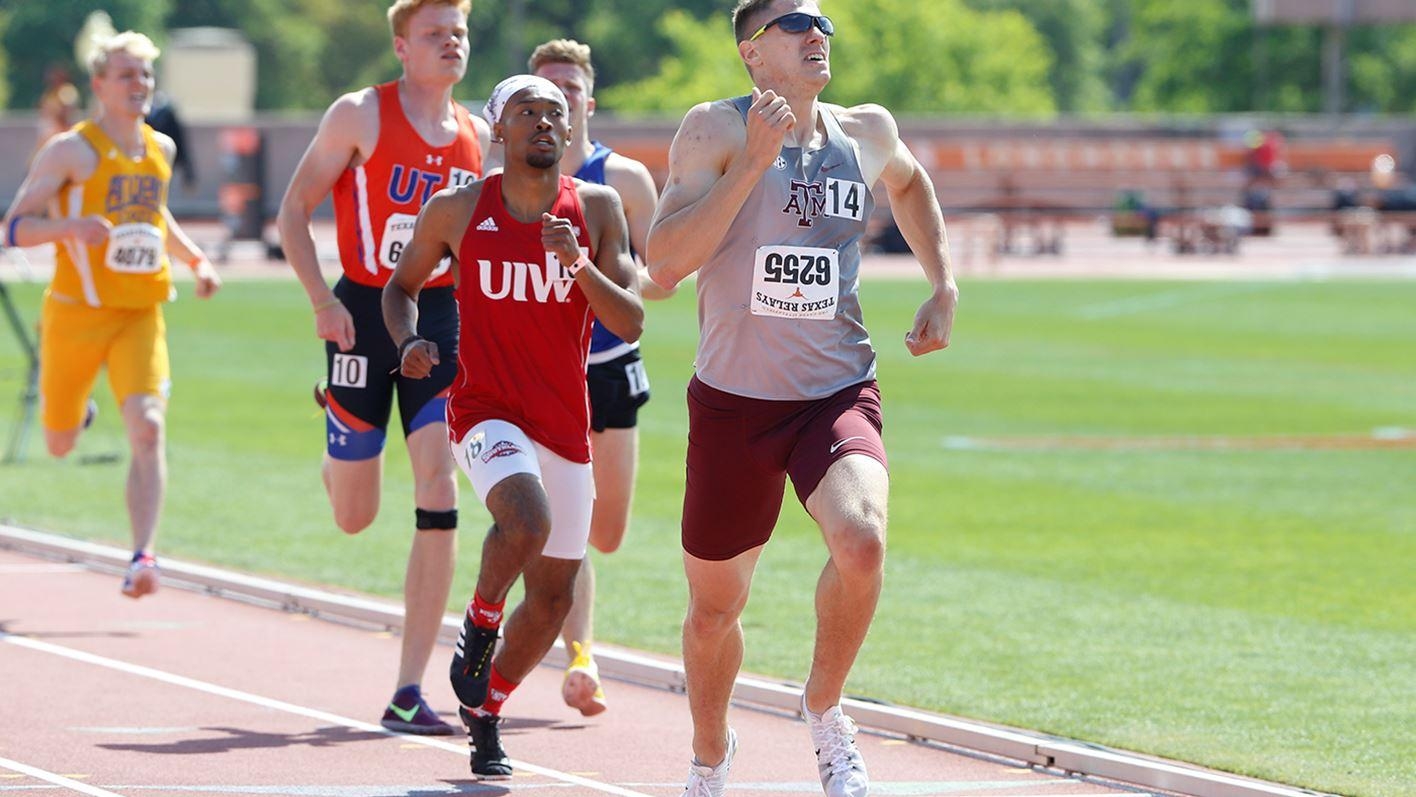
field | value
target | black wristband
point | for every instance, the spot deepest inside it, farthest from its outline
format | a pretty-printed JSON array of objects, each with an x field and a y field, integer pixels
[{"x": 408, "y": 341}]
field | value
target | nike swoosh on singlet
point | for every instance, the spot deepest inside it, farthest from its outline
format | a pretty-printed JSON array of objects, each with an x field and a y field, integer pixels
[
  {"x": 840, "y": 443},
  {"x": 406, "y": 714}
]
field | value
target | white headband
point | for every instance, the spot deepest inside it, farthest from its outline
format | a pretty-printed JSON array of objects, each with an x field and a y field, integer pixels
[{"x": 507, "y": 89}]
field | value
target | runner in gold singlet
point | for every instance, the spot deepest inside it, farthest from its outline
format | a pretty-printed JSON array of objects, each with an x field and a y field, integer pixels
[{"x": 99, "y": 193}]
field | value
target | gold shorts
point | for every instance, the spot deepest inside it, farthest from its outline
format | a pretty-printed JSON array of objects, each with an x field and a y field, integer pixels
[{"x": 76, "y": 340}]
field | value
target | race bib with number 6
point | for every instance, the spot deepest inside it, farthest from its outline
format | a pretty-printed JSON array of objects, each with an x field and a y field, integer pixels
[
  {"x": 795, "y": 282},
  {"x": 398, "y": 231},
  {"x": 134, "y": 249}
]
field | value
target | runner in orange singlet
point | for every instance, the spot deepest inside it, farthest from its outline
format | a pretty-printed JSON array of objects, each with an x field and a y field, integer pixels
[{"x": 383, "y": 151}]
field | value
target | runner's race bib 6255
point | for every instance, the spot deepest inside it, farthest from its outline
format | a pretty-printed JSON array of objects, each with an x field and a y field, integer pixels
[
  {"x": 795, "y": 282},
  {"x": 134, "y": 248}
]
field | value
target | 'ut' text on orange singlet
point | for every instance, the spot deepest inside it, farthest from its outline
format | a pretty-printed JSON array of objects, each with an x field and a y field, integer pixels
[{"x": 377, "y": 202}]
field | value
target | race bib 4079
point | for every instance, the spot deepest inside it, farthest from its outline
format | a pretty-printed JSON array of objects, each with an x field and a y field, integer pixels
[{"x": 134, "y": 249}]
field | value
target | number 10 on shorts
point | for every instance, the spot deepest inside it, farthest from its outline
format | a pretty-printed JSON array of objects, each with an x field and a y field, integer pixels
[
  {"x": 349, "y": 370},
  {"x": 638, "y": 378}
]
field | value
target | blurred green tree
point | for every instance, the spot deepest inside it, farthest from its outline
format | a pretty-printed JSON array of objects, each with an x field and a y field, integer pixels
[
  {"x": 627, "y": 43},
  {"x": 36, "y": 35},
  {"x": 287, "y": 40},
  {"x": 1013, "y": 57},
  {"x": 978, "y": 61},
  {"x": 1074, "y": 31},
  {"x": 703, "y": 65},
  {"x": 1382, "y": 69},
  {"x": 356, "y": 48},
  {"x": 1208, "y": 56},
  {"x": 1195, "y": 57}
]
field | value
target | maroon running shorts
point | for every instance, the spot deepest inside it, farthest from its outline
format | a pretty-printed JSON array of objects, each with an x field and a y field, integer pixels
[{"x": 740, "y": 451}]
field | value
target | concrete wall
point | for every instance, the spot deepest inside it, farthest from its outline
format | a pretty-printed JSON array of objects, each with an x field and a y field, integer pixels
[{"x": 287, "y": 136}]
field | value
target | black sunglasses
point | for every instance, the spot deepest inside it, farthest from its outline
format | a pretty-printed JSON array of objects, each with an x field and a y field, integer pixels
[{"x": 797, "y": 22}]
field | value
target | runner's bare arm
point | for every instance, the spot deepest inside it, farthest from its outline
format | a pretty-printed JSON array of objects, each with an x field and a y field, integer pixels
[
  {"x": 27, "y": 223},
  {"x": 344, "y": 137},
  {"x": 916, "y": 210},
  {"x": 185, "y": 250},
  {"x": 714, "y": 163},
  {"x": 439, "y": 227},
  {"x": 179, "y": 245},
  {"x": 611, "y": 283},
  {"x": 635, "y": 186}
]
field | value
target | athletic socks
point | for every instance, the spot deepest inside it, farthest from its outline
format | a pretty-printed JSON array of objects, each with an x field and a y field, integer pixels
[
  {"x": 498, "y": 690},
  {"x": 484, "y": 613}
]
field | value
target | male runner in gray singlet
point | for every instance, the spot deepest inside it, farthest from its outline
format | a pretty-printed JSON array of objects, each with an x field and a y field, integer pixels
[{"x": 767, "y": 199}]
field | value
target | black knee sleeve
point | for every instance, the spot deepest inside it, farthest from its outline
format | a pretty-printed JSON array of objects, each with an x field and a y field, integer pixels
[{"x": 436, "y": 521}]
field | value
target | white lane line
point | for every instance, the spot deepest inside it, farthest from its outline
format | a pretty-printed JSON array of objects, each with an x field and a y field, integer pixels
[
  {"x": 1169, "y": 298},
  {"x": 291, "y": 708},
  {"x": 58, "y": 780},
  {"x": 40, "y": 569},
  {"x": 902, "y": 788}
]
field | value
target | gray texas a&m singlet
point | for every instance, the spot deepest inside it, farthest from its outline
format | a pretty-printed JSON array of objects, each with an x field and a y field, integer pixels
[{"x": 778, "y": 307}]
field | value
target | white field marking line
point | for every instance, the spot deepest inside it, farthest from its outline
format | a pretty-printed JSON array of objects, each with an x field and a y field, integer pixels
[
  {"x": 1171, "y": 298},
  {"x": 291, "y": 708},
  {"x": 40, "y": 569},
  {"x": 1015, "y": 745},
  {"x": 57, "y": 780},
  {"x": 1387, "y": 438},
  {"x": 905, "y": 788}
]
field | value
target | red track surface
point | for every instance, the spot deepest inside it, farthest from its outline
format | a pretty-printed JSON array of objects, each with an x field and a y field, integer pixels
[{"x": 182, "y": 693}]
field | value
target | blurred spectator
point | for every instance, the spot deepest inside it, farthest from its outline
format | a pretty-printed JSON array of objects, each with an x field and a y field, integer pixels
[
  {"x": 1264, "y": 164},
  {"x": 1364, "y": 224},
  {"x": 1132, "y": 215},
  {"x": 1393, "y": 193},
  {"x": 58, "y": 105},
  {"x": 1265, "y": 160},
  {"x": 1346, "y": 194},
  {"x": 163, "y": 118}
]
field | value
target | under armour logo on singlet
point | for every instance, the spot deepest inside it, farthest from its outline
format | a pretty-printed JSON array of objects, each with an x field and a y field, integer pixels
[{"x": 434, "y": 160}]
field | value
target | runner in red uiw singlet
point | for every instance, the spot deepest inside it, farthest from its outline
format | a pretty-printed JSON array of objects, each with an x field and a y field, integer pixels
[
  {"x": 527, "y": 323},
  {"x": 536, "y": 254}
]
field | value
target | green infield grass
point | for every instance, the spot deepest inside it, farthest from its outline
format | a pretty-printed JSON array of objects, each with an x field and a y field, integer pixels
[{"x": 1176, "y": 518}]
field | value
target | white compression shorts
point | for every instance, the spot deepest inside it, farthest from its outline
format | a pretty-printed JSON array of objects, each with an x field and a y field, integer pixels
[{"x": 494, "y": 450}]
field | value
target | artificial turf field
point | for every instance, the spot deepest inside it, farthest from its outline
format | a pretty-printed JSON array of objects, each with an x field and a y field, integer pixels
[{"x": 1173, "y": 517}]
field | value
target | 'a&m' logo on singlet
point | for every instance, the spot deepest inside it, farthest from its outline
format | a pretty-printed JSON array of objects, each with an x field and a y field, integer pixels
[{"x": 808, "y": 201}]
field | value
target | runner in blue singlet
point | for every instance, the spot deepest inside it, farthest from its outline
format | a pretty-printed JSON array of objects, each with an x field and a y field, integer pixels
[{"x": 617, "y": 381}]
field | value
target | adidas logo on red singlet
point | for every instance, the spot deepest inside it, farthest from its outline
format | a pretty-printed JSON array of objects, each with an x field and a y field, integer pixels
[{"x": 488, "y": 224}]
